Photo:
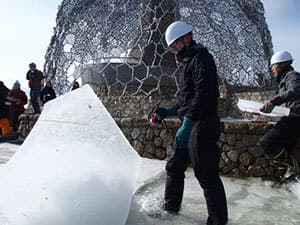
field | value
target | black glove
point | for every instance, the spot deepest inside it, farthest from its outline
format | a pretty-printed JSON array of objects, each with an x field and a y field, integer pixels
[
  {"x": 165, "y": 112},
  {"x": 277, "y": 100},
  {"x": 267, "y": 107}
]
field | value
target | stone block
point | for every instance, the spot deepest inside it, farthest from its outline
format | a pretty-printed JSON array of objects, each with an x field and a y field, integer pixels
[
  {"x": 231, "y": 139},
  {"x": 149, "y": 134},
  {"x": 150, "y": 148},
  {"x": 158, "y": 141},
  {"x": 138, "y": 146},
  {"x": 259, "y": 128},
  {"x": 233, "y": 155},
  {"x": 249, "y": 140},
  {"x": 135, "y": 133},
  {"x": 256, "y": 151},
  {"x": 256, "y": 170},
  {"x": 235, "y": 127},
  {"x": 160, "y": 153},
  {"x": 245, "y": 159},
  {"x": 229, "y": 168}
]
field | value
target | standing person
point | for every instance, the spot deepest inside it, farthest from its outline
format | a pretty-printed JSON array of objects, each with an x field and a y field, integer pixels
[
  {"x": 280, "y": 140},
  {"x": 35, "y": 78},
  {"x": 18, "y": 99},
  {"x": 196, "y": 139},
  {"x": 47, "y": 93},
  {"x": 4, "y": 110}
]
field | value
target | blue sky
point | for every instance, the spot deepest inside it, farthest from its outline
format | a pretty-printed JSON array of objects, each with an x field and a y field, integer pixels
[{"x": 27, "y": 26}]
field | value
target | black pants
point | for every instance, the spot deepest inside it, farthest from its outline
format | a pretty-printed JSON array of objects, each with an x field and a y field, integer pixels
[
  {"x": 34, "y": 95},
  {"x": 14, "y": 120},
  {"x": 283, "y": 135},
  {"x": 204, "y": 155}
]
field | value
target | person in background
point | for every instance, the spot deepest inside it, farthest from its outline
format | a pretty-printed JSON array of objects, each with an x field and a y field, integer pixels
[
  {"x": 35, "y": 78},
  {"x": 18, "y": 99},
  {"x": 196, "y": 138},
  {"x": 280, "y": 140},
  {"x": 75, "y": 85},
  {"x": 47, "y": 93},
  {"x": 4, "y": 110}
]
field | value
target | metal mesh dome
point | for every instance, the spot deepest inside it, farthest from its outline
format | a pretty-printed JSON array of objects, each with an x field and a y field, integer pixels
[{"x": 121, "y": 42}]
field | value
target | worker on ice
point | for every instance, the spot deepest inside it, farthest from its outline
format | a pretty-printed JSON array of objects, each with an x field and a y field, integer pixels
[
  {"x": 280, "y": 140},
  {"x": 196, "y": 139}
]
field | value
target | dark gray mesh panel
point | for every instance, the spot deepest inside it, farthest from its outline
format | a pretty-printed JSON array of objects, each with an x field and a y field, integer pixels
[{"x": 121, "y": 43}]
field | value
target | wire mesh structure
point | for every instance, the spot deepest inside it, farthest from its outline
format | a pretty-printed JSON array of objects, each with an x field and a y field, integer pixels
[{"x": 120, "y": 43}]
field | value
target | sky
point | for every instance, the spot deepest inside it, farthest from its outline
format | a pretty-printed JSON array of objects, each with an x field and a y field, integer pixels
[{"x": 27, "y": 26}]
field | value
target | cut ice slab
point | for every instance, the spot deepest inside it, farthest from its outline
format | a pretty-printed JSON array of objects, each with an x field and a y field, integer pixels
[
  {"x": 75, "y": 167},
  {"x": 253, "y": 107}
]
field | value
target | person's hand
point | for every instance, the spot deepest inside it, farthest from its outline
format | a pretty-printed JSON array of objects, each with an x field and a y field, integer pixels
[
  {"x": 163, "y": 113},
  {"x": 183, "y": 133},
  {"x": 277, "y": 100},
  {"x": 267, "y": 107}
]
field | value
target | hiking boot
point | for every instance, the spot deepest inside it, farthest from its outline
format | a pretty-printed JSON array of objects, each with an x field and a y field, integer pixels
[
  {"x": 286, "y": 163},
  {"x": 170, "y": 209}
]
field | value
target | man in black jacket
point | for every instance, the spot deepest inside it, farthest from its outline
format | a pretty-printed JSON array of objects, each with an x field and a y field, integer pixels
[
  {"x": 196, "y": 139},
  {"x": 47, "y": 93},
  {"x": 279, "y": 141},
  {"x": 35, "y": 77}
]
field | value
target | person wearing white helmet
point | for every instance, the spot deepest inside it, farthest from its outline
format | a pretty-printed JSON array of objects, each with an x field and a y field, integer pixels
[
  {"x": 196, "y": 139},
  {"x": 280, "y": 140}
]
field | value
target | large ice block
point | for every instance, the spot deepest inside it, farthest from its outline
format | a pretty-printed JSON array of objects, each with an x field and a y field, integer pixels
[
  {"x": 75, "y": 168},
  {"x": 254, "y": 106}
]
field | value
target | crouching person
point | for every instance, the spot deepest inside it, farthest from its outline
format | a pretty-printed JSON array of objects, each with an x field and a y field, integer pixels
[{"x": 280, "y": 140}]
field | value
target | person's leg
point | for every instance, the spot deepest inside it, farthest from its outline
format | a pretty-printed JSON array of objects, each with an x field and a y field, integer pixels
[
  {"x": 13, "y": 120},
  {"x": 279, "y": 141},
  {"x": 205, "y": 156},
  {"x": 34, "y": 95},
  {"x": 174, "y": 187},
  {"x": 4, "y": 124}
]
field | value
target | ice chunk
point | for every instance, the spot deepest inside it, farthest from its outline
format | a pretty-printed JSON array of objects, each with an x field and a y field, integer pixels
[
  {"x": 253, "y": 107},
  {"x": 75, "y": 167}
]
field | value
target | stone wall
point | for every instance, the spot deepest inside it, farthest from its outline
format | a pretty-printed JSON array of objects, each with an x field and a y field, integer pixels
[{"x": 242, "y": 156}]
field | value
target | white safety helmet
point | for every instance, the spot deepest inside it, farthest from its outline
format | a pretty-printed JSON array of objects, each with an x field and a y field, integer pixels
[
  {"x": 176, "y": 30},
  {"x": 281, "y": 56}
]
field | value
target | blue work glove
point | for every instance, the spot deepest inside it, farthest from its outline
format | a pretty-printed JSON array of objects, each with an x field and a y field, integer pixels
[
  {"x": 183, "y": 133},
  {"x": 165, "y": 112}
]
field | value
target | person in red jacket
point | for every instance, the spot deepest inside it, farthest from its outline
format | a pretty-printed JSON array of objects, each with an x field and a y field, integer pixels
[
  {"x": 4, "y": 111},
  {"x": 18, "y": 99}
]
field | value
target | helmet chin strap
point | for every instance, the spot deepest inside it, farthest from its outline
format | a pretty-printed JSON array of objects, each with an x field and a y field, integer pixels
[{"x": 183, "y": 55}]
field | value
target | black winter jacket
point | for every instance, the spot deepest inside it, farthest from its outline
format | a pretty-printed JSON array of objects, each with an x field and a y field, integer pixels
[
  {"x": 4, "y": 109},
  {"x": 289, "y": 90},
  {"x": 199, "y": 89},
  {"x": 47, "y": 94},
  {"x": 35, "y": 77}
]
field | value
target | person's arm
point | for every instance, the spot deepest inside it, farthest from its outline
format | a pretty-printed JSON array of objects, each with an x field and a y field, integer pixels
[
  {"x": 202, "y": 89},
  {"x": 28, "y": 76},
  {"x": 24, "y": 98},
  {"x": 293, "y": 88}
]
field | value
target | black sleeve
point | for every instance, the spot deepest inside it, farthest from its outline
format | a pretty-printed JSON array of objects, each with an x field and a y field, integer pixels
[
  {"x": 200, "y": 102},
  {"x": 28, "y": 75},
  {"x": 293, "y": 87},
  {"x": 42, "y": 95}
]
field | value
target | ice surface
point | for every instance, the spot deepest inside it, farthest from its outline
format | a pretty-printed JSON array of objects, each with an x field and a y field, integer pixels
[
  {"x": 253, "y": 107},
  {"x": 75, "y": 168},
  {"x": 250, "y": 202}
]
